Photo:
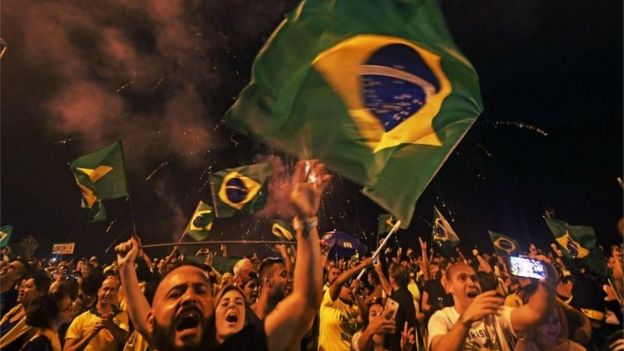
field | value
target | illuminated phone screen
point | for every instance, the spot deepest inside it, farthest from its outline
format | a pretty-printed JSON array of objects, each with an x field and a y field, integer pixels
[{"x": 526, "y": 267}]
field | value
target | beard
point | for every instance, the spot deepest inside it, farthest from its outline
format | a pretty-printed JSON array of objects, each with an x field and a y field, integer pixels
[{"x": 164, "y": 338}]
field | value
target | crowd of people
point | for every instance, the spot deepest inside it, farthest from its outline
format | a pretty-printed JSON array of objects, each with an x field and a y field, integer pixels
[{"x": 407, "y": 299}]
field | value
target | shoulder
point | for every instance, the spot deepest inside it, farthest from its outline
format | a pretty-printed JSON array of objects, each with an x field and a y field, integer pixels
[
  {"x": 443, "y": 319},
  {"x": 39, "y": 343}
]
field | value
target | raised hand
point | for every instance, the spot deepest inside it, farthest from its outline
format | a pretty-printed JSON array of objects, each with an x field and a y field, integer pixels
[
  {"x": 307, "y": 190},
  {"x": 408, "y": 339},
  {"x": 382, "y": 324},
  {"x": 127, "y": 252},
  {"x": 483, "y": 304}
]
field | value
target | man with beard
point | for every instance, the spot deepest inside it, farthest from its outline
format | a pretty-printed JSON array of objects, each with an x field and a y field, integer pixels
[
  {"x": 182, "y": 314},
  {"x": 479, "y": 321},
  {"x": 275, "y": 284},
  {"x": 101, "y": 328}
]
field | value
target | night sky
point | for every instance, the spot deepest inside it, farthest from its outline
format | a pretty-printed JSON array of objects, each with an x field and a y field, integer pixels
[{"x": 159, "y": 75}]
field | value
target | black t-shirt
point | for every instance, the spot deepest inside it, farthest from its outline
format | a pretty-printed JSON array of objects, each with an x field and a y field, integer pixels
[
  {"x": 40, "y": 343},
  {"x": 438, "y": 298},
  {"x": 251, "y": 337},
  {"x": 8, "y": 300},
  {"x": 406, "y": 312}
]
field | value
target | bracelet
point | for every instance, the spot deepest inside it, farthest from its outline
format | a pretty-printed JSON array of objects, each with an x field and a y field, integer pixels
[{"x": 306, "y": 224}]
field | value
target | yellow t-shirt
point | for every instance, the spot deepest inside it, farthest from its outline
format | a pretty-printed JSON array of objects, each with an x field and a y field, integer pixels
[
  {"x": 334, "y": 324},
  {"x": 104, "y": 339}
]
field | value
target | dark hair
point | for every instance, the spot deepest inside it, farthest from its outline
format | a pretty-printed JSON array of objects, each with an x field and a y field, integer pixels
[
  {"x": 183, "y": 263},
  {"x": 42, "y": 281},
  {"x": 399, "y": 274},
  {"x": 42, "y": 312},
  {"x": 267, "y": 265},
  {"x": 26, "y": 266}
]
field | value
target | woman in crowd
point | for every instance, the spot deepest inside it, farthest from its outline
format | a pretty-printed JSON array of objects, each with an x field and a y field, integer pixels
[{"x": 46, "y": 315}]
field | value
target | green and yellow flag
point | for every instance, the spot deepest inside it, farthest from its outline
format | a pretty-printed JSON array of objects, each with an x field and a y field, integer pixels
[
  {"x": 375, "y": 89},
  {"x": 443, "y": 233},
  {"x": 385, "y": 222},
  {"x": 578, "y": 243},
  {"x": 282, "y": 230},
  {"x": 503, "y": 244},
  {"x": 5, "y": 235},
  {"x": 200, "y": 224},
  {"x": 100, "y": 175},
  {"x": 240, "y": 190}
]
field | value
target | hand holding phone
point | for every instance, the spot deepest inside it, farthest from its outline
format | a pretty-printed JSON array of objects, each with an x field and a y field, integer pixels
[{"x": 390, "y": 309}]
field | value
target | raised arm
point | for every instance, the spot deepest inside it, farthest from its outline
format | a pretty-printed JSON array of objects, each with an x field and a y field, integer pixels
[
  {"x": 424, "y": 259},
  {"x": 290, "y": 319},
  {"x": 484, "y": 265},
  {"x": 385, "y": 284},
  {"x": 138, "y": 306},
  {"x": 334, "y": 289},
  {"x": 527, "y": 315}
]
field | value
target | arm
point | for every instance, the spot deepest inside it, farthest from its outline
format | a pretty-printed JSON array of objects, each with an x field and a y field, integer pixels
[
  {"x": 381, "y": 325},
  {"x": 424, "y": 259},
  {"x": 76, "y": 339},
  {"x": 119, "y": 334},
  {"x": 385, "y": 284},
  {"x": 334, "y": 289},
  {"x": 138, "y": 307},
  {"x": 425, "y": 306},
  {"x": 289, "y": 321},
  {"x": 527, "y": 315}
]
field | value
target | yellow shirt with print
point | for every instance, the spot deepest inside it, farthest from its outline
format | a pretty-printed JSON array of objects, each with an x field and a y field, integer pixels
[
  {"x": 335, "y": 317},
  {"x": 104, "y": 339}
]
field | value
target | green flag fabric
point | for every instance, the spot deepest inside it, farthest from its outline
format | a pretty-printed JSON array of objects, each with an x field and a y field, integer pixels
[
  {"x": 375, "y": 89},
  {"x": 100, "y": 175},
  {"x": 240, "y": 190},
  {"x": 5, "y": 235},
  {"x": 200, "y": 224},
  {"x": 282, "y": 230},
  {"x": 503, "y": 244},
  {"x": 443, "y": 233},
  {"x": 97, "y": 211},
  {"x": 578, "y": 243},
  {"x": 385, "y": 223}
]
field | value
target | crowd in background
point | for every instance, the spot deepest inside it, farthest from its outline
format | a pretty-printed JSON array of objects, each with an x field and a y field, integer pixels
[{"x": 408, "y": 299}]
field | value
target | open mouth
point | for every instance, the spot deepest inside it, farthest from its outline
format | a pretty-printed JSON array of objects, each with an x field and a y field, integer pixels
[
  {"x": 472, "y": 294},
  {"x": 188, "y": 320},
  {"x": 231, "y": 317}
]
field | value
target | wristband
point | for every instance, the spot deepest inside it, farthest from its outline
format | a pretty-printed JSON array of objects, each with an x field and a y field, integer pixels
[{"x": 306, "y": 224}]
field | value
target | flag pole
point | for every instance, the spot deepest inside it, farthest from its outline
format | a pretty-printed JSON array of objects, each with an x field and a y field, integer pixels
[
  {"x": 382, "y": 245},
  {"x": 213, "y": 195}
]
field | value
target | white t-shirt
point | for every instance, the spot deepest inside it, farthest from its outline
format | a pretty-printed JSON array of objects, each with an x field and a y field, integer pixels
[{"x": 490, "y": 333}]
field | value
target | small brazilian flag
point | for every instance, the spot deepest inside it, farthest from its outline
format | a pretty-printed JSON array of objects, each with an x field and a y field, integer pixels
[
  {"x": 282, "y": 230},
  {"x": 578, "y": 243},
  {"x": 240, "y": 190},
  {"x": 385, "y": 223},
  {"x": 503, "y": 244},
  {"x": 375, "y": 89},
  {"x": 443, "y": 233},
  {"x": 200, "y": 224},
  {"x": 100, "y": 175},
  {"x": 5, "y": 235}
]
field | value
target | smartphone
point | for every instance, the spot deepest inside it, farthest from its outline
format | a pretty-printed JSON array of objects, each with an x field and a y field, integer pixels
[
  {"x": 391, "y": 305},
  {"x": 527, "y": 267}
]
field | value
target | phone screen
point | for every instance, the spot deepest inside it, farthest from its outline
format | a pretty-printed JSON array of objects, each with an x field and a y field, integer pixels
[
  {"x": 527, "y": 267},
  {"x": 391, "y": 305}
]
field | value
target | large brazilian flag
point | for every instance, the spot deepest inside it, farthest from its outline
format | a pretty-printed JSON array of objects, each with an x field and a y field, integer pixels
[{"x": 375, "y": 89}]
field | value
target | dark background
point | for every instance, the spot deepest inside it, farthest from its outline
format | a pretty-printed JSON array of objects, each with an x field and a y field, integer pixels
[{"x": 159, "y": 75}]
